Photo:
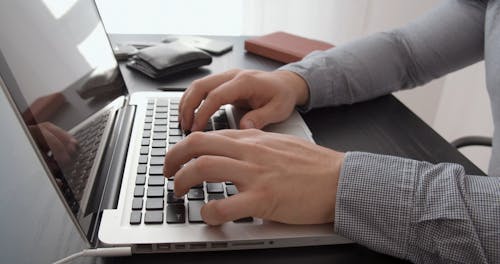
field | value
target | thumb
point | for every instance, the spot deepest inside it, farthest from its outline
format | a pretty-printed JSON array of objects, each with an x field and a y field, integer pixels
[
  {"x": 217, "y": 212},
  {"x": 259, "y": 117}
]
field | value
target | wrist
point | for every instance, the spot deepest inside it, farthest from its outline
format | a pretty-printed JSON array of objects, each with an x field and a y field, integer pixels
[{"x": 297, "y": 84}]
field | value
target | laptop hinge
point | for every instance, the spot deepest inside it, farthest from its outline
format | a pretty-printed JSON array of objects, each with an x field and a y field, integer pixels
[{"x": 113, "y": 164}]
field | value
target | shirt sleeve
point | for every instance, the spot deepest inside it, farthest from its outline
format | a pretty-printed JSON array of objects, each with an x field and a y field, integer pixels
[
  {"x": 447, "y": 38},
  {"x": 418, "y": 211}
]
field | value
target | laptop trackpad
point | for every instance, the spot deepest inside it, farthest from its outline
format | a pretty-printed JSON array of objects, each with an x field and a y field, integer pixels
[
  {"x": 290, "y": 129},
  {"x": 294, "y": 125}
]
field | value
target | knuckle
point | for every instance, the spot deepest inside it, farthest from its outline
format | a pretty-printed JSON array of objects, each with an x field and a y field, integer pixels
[
  {"x": 246, "y": 75},
  {"x": 203, "y": 163},
  {"x": 196, "y": 84},
  {"x": 214, "y": 97},
  {"x": 195, "y": 138}
]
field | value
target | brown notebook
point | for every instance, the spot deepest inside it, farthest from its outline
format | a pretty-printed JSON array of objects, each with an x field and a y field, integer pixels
[{"x": 284, "y": 47}]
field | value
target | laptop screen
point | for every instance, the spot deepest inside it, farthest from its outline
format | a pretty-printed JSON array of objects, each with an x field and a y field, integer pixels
[{"x": 57, "y": 65}]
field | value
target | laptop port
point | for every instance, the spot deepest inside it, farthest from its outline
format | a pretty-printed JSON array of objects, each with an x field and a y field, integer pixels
[
  {"x": 180, "y": 246},
  {"x": 248, "y": 244},
  {"x": 198, "y": 246},
  {"x": 219, "y": 245},
  {"x": 164, "y": 247}
]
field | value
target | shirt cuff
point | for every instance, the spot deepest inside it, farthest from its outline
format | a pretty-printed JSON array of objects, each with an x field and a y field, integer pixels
[
  {"x": 373, "y": 203},
  {"x": 318, "y": 83}
]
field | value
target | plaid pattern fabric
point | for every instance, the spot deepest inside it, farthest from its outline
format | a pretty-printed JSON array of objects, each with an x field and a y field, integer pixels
[{"x": 419, "y": 211}]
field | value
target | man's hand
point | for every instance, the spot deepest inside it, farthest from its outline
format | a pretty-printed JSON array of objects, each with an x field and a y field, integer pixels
[
  {"x": 279, "y": 177},
  {"x": 271, "y": 95}
]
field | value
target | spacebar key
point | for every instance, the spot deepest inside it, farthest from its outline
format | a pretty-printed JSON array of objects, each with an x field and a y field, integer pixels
[{"x": 194, "y": 208}]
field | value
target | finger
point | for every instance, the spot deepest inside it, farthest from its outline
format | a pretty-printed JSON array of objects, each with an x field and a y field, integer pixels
[
  {"x": 199, "y": 144},
  {"x": 196, "y": 92},
  {"x": 226, "y": 93},
  {"x": 211, "y": 169},
  {"x": 260, "y": 117},
  {"x": 238, "y": 206}
]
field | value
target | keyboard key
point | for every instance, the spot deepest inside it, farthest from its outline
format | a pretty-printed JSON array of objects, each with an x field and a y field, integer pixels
[
  {"x": 145, "y": 142},
  {"x": 158, "y": 152},
  {"x": 216, "y": 196},
  {"x": 194, "y": 215},
  {"x": 170, "y": 186},
  {"x": 175, "y": 132},
  {"x": 135, "y": 217},
  {"x": 149, "y": 113},
  {"x": 137, "y": 204},
  {"x": 173, "y": 125},
  {"x": 144, "y": 150},
  {"x": 219, "y": 126},
  {"x": 153, "y": 217},
  {"x": 141, "y": 169},
  {"x": 159, "y": 144},
  {"x": 196, "y": 194},
  {"x": 161, "y": 115},
  {"x": 140, "y": 180},
  {"x": 160, "y": 135},
  {"x": 143, "y": 159},
  {"x": 162, "y": 122},
  {"x": 154, "y": 204},
  {"x": 139, "y": 191},
  {"x": 176, "y": 213},
  {"x": 157, "y": 161},
  {"x": 231, "y": 190},
  {"x": 156, "y": 170},
  {"x": 209, "y": 126},
  {"x": 155, "y": 191},
  {"x": 147, "y": 126},
  {"x": 156, "y": 181},
  {"x": 174, "y": 139},
  {"x": 174, "y": 118},
  {"x": 160, "y": 129},
  {"x": 215, "y": 187},
  {"x": 174, "y": 112},
  {"x": 146, "y": 133},
  {"x": 148, "y": 119},
  {"x": 199, "y": 186},
  {"x": 171, "y": 199},
  {"x": 161, "y": 109},
  {"x": 162, "y": 102},
  {"x": 244, "y": 220}
]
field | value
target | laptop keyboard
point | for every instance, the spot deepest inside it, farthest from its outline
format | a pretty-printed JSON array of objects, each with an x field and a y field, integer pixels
[{"x": 154, "y": 201}]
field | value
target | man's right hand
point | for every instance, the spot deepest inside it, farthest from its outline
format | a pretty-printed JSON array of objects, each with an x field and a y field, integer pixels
[{"x": 271, "y": 96}]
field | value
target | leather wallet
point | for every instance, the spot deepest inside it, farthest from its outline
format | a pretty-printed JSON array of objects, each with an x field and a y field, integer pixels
[{"x": 166, "y": 59}]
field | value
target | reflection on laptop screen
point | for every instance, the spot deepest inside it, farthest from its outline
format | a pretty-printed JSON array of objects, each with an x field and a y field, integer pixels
[{"x": 56, "y": 64}]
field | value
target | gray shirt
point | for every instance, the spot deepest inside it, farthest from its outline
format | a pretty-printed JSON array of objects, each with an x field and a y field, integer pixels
[{"x": 411, "y": 209}]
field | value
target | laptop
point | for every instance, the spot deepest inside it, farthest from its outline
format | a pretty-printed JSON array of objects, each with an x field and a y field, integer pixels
[{"x": 58, "y": 71}]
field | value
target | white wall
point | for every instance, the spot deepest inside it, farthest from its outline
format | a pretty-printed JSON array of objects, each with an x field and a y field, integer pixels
[{"x": 437, "y": 103}]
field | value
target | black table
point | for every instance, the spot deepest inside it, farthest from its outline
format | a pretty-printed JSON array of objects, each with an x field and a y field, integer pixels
[{"x": 383, "y": 125}]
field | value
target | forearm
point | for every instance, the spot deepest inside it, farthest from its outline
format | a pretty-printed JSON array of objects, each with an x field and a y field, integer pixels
[
  {"x": 446, "y": 39},
  {"x": 418, "y": 211}
]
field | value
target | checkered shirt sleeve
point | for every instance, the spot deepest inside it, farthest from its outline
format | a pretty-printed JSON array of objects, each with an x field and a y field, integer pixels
[{"x": 418, "y": 211}]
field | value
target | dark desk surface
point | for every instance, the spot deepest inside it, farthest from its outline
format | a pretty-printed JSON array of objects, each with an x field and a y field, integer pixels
[{"x": 383, "y": 125}]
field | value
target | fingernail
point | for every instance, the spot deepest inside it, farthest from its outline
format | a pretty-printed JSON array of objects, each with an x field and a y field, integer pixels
[
  {"x": 248, "y": 124},
  {"x": 194, "y": 127}
]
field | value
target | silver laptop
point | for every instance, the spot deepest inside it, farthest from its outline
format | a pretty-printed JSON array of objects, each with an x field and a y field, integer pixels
[{"x": 58, "y": 69}]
